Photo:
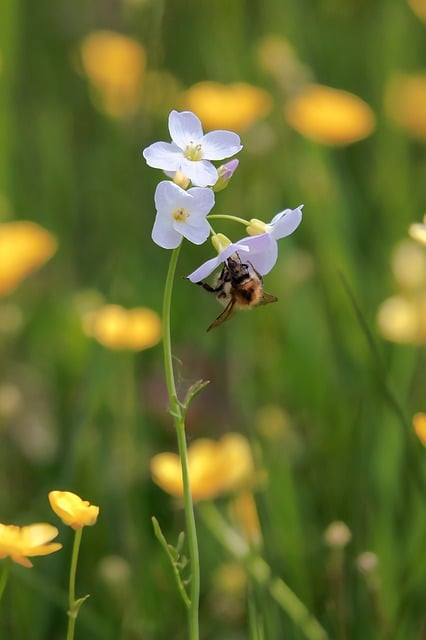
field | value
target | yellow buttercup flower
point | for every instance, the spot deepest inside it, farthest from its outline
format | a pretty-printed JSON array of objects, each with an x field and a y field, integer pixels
[
  {"x": 233, "y": 106},
  {"x": 21, "y": 543},
  {"x": 115, "y": 65},
  {"x": 214, "y": 467},
  {"x": 402, "y": 318},
  {"x": 72, "y": 510},
  {"x": 24, "y": 247},
  {"x": 419, "y": 426},
  {"x": 329, "y": 116},
  {"x": 419, "y": 8},
  {"x": 115, "y": 327},
  {"x": 406, "y": 102},
  {"x": 244, "y": 513}
]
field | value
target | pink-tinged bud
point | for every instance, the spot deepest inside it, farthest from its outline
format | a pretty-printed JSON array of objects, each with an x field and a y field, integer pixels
[{"x": 225, "y": 173}]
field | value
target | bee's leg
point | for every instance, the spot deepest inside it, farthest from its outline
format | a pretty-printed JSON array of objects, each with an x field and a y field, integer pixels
[{"x": 208, "y": 287}]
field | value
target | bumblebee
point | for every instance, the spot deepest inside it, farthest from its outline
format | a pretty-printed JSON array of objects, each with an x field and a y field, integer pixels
[{"x": 239, "y": 286}]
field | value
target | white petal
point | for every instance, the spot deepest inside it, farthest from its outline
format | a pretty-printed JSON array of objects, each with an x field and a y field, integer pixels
[
  {"x": 204, "y": 270},
  {"x": 169, "y": 196},
  {"x": 201, "y": 172},
  {"x": 220, "y": 144},
  {"x": 195, "y": 230},
  {"x": 203, "y": 200},
  {"x": 185, "y": 128},
  {"x": 285, "y": 222},
  {"x": 164, "y": 234},
  {"x": 263, "y": 252},
  {"x": 163, "y": 155},
  {"x": 208, "y": 267}
]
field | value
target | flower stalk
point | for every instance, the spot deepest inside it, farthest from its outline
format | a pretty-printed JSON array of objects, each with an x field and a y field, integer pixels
[
  {"x": 74, "y": 605},
  {"x": 177, "y": 410}
]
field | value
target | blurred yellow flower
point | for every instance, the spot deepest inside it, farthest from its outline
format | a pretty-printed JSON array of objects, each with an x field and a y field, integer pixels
[
  {"x": 329, "y": 116},
  {"x": 115, "y": 327},
  {"x": 419, "y": 8},
  {"x": 20, "y": 543},
  {"x": 405, "y": 101},
  {"x": 402, "y": 319},
  {"x": 418, "y": 231},
  {"x": 409, "y": 265},
  {"x": 419, "y": 426},
  {"x": 244, "y": 513},
  {"x": 277, "y": 57},
  {"x": 72, "y": 510},
  {"x": 214, "y": 467},
  {"x": 115, "y": 65},
  {"x": 24, "y": 247},
  {"x": 233, "y": 106}
]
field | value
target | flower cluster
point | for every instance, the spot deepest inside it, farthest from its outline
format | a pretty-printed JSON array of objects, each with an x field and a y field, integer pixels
[
  {"x": 22, "y": 543},
  {"x": 183, "y": 212}
]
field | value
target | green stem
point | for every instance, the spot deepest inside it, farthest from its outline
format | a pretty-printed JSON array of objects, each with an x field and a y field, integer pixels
[
  {"x": 73, "y": 611},
  {"x": 261, "y": 573},
  {"x": 178, "y": 417},
  {"x": 4, "y": 574},
  {"x": 225, "y": 216}
]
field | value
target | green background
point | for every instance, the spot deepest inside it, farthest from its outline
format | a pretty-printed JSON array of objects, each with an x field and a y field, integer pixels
[{"x": 348, "y": 452}]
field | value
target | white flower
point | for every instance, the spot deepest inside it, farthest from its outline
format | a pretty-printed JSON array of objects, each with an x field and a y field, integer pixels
[
  {"x": 190, "y": 151},
  {"x": 180, "y": 214},
  {"x": 261, "y": 250}
]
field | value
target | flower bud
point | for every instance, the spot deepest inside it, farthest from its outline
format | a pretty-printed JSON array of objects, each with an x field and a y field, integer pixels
[
  {"x": 257, "y": 227},
  {"x": 225, "y": 173},
  {"x": 181, "y": 180},
  {"x": 220, "y": 241}
]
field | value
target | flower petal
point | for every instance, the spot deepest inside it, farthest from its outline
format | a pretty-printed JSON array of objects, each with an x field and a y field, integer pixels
[
  {"x": 185, "y": 128},
  {"x": 163, "y": 155},
  {"x": 203, "y": 200},
  {"x": 169, "y": 196},
  {"x": 210, "y": 265},
  {"x": 195, "y": 230},
  {"x": 263, "y": 251},
  {"x": 164, "y": 234},
  {"x": 201, "y": 172},
  {"x": 221, "y": 144},
  {"x": 285, "y": 222}
]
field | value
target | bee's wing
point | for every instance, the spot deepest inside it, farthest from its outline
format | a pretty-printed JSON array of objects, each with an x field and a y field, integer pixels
[
  {"x": 224, "y": 316},
  {"x": 267, "y": 298}
]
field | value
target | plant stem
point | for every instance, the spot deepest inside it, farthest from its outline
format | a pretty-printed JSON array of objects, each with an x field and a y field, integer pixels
[
  {"x": 225, "y": 216},
  {"x": 4, "y": 574},
  {"x": 261, "y": 573},
  {"x": 179, "y": 421},
  {"x": 73, "y": 611}
]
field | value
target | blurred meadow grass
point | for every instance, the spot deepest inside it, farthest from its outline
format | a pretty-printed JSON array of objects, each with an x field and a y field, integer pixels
[{"x": 325, "y": 400}]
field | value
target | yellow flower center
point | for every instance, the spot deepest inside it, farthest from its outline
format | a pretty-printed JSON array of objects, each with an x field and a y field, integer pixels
[
  {"x": 193, "y": 152},
  {"x": 180, "y": 215}
]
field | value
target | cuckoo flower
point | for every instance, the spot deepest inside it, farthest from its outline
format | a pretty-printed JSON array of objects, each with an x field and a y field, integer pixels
[
  {"x": 261, "y": 250},
  {"x": 181, "y": 213},
  {"x": 191, "y": 151}
]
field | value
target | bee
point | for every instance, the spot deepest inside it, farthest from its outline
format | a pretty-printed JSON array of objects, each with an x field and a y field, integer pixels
[{"x": 239, "y": 286}]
